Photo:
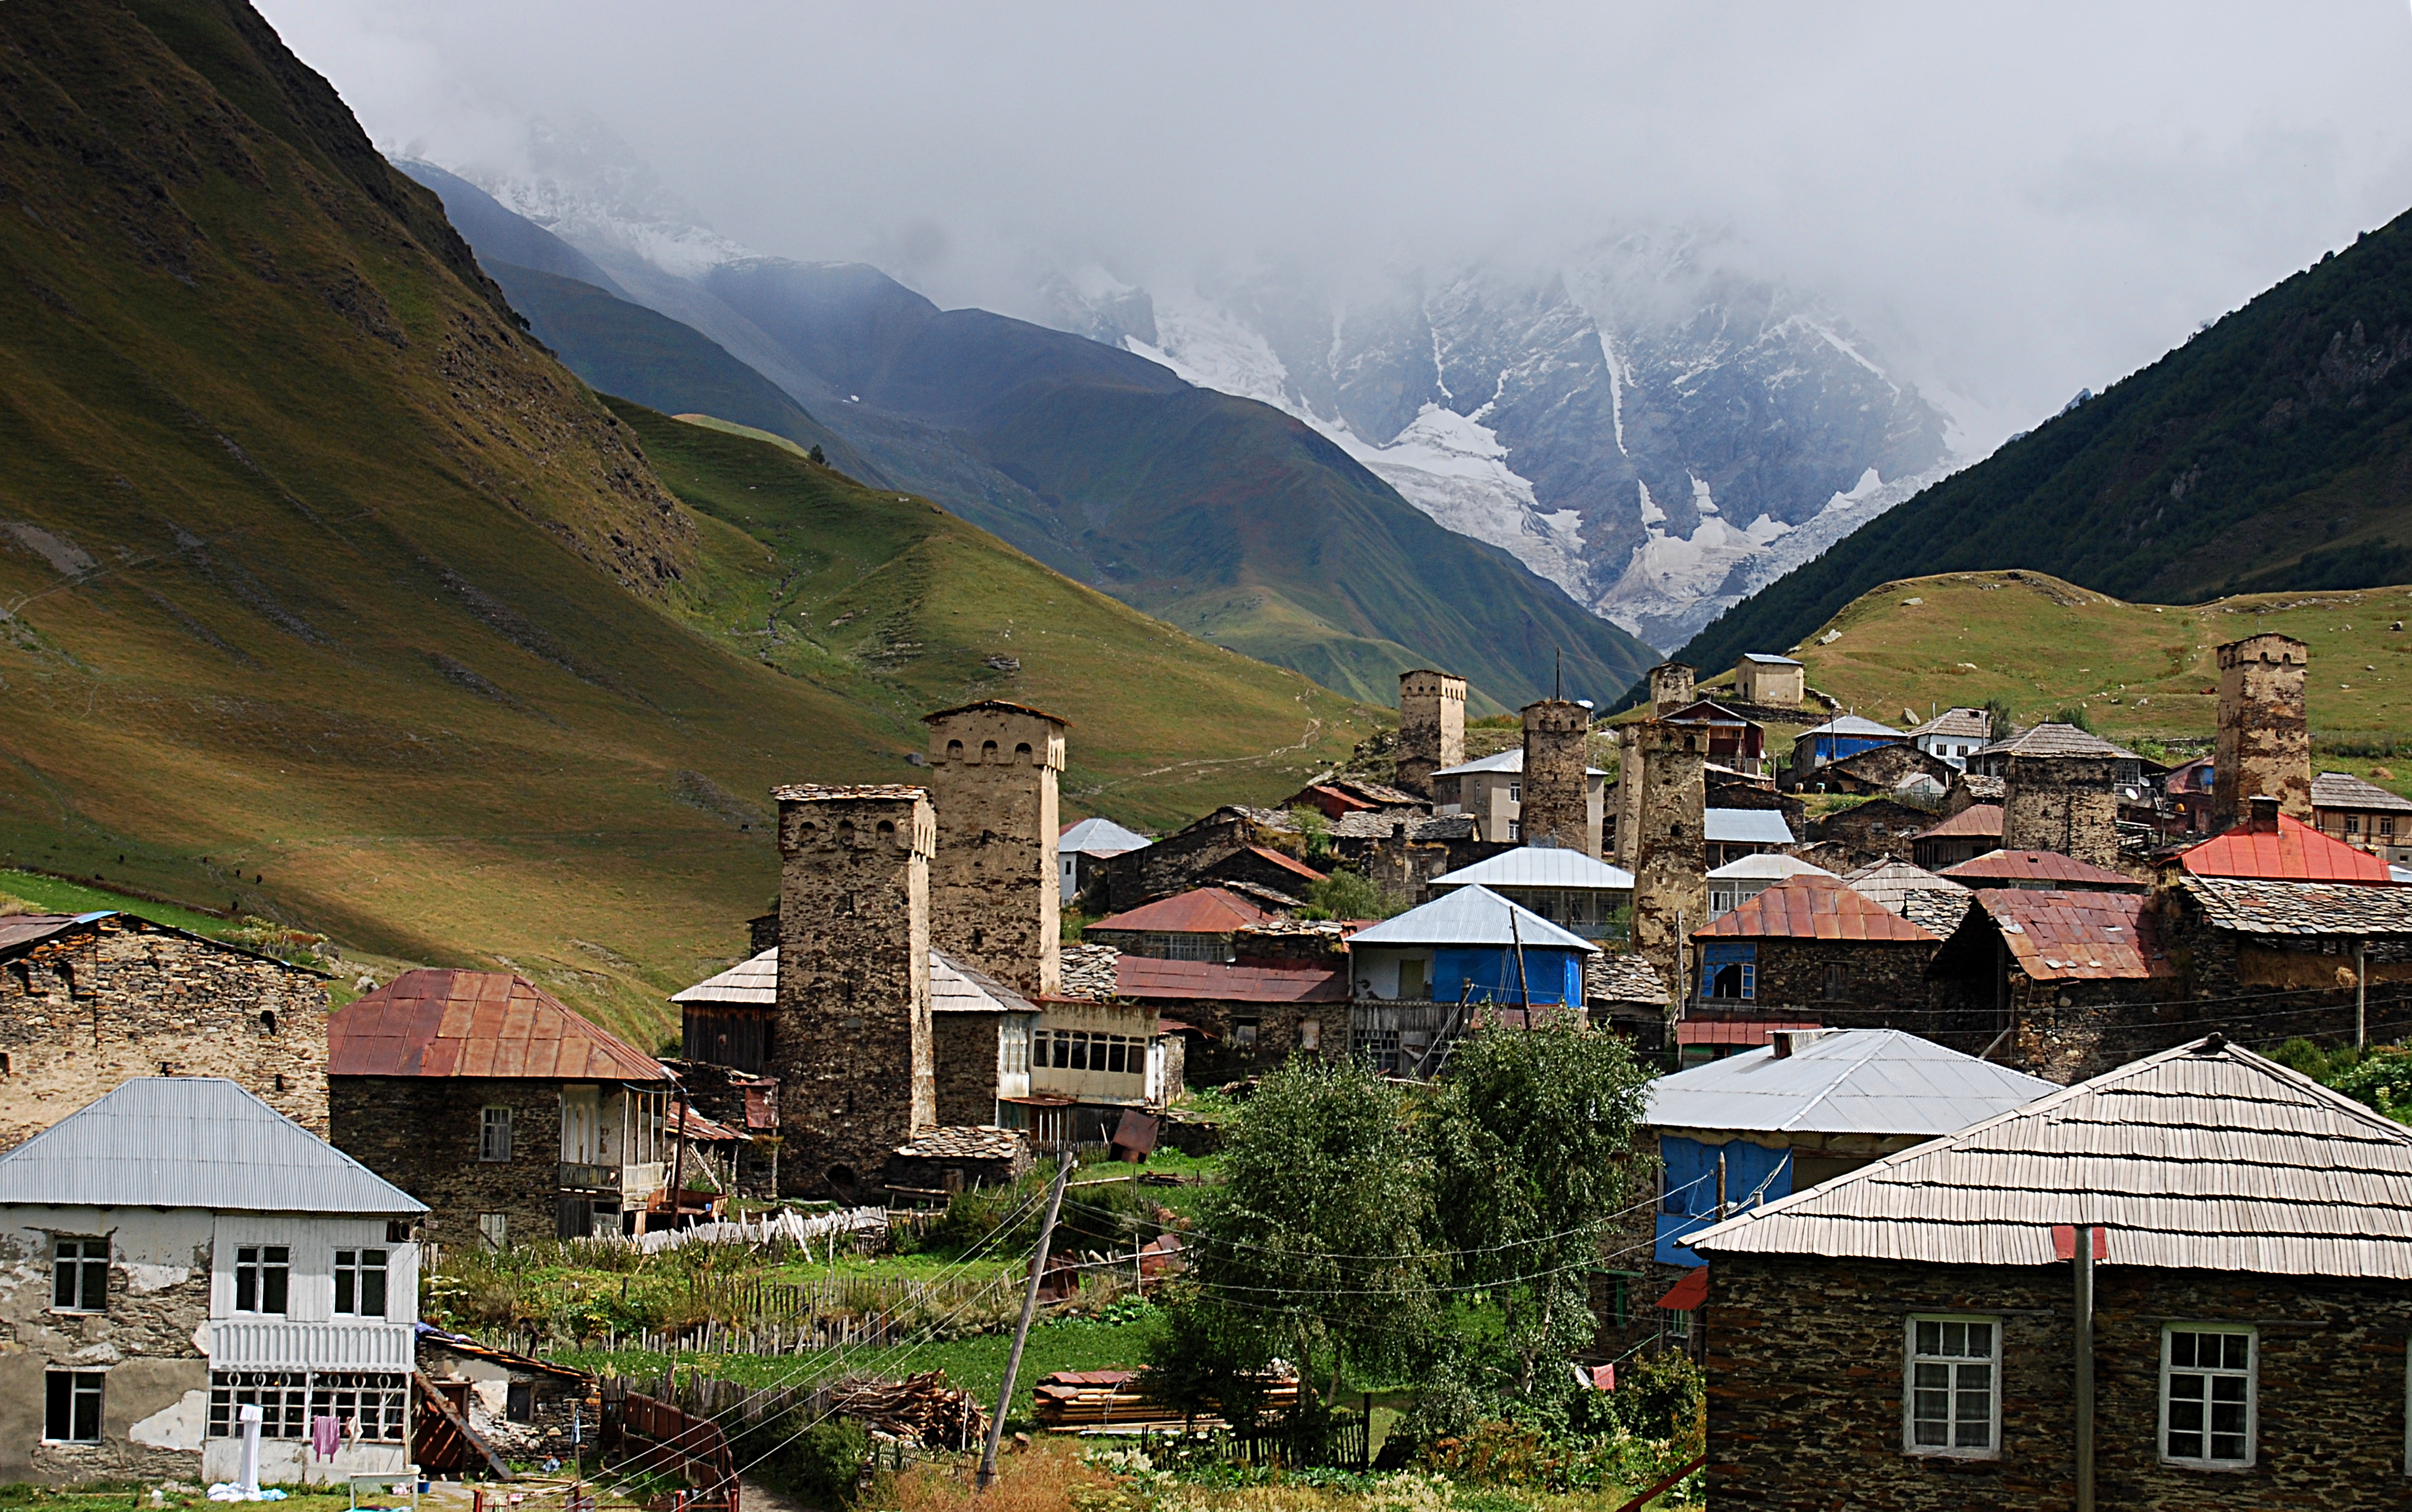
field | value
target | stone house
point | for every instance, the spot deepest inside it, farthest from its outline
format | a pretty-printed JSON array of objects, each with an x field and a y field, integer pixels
[
  {"x": 1241, "y": 1018},
  {"x": 2129, "y": 1292},
  {"x": 486, "y": 1097},
  {"x": 2051, "y": 741},
  {"x": 177, "y": 1253},
  {"x": 1975, "y": 830},
  {"x": 1954, "y": 735},
  {"x": 88, "y": 1001},
  {"x": 1809, "y": 949},
  {"x": 1197, "y": 925},
  {"x": 1180, "y": 861},
  {"x": 1879, "y": 829},
  {"x": 1845, "y": 735},
  {"x": 519, "y": 1407},
  {"x": 1083, "y": 848},
  {"x": 2325, "y": 960},
  {"x": 2063, "y": 983},
  {"x": 2345, "y": 808},
  {"x": 1336, "y": 798},
  {"x": 2276, "y": 847},
  {"x": 1624, "y": 991},
  {"x": 1269, "y": 874},
  {"x": 2041, "y": 870},
  {"x": 1490, "y": 790},
  {"x": 1883, "y": 769},
  {"x": 1761, "y": 677},
  {"x": 1570, "y": 889},
  {"x": 980, "y": 1032},
  {"x": 1972, "y": 788},
  {"x": 939, "y": 1163}
]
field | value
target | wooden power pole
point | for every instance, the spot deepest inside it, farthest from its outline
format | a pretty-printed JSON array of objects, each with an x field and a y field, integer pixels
[{"x": 1021, "y": 1329}]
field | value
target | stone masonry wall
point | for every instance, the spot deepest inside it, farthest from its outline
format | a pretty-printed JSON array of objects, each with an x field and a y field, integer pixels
[
  {"x": 1556, "y": 805},
  {"x": 995, "y": 895},
  {"x": 122, "y": 997},
  {"x": 966, "y": 1047},
  {"x": 2264, "y": 743},
  {"x": 852, "y": 1052},
  {"x": 1670, "y": 688},
  {"x": 1846, "y": 984},
  {"x": 422, "y": 1134},
  {"x": 2062, "y": 803},
  {"x": 1671, "y": 872},
  {"x": 1805, "y": 1355},
  {"x": 1432, "y": 727}
]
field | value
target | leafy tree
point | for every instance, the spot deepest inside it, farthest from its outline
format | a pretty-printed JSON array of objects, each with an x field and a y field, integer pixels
[
  {"x": 816, "y": 454},
  {"x": 1350, "y": 894},
  {"x": 1315, "y": 828},
  {"x": 1997, "y": 717},
  {"x": 2075, "y": 714}
]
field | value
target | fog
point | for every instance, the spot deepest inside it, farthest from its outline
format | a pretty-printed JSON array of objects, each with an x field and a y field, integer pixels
[{"x": 2016, "y": 200}]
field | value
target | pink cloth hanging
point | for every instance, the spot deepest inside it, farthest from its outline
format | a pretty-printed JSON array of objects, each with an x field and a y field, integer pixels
[{"x": 325, "y": 1434}]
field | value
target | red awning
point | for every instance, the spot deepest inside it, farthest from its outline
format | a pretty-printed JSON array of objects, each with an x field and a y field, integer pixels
[{"x": 1689, "y": 1293}]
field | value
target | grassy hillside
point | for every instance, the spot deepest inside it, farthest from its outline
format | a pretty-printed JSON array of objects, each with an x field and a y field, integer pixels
[
  {"x": 2139, "y": 671},
  {"x": 2266, "y": 453},
  {"x": 332, "y": 598}
]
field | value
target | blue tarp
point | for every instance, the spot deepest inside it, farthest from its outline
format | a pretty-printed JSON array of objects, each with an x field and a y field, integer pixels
[
  {"x": 1690, "y": 1203},
  {"x": 1487, "y": 974}
]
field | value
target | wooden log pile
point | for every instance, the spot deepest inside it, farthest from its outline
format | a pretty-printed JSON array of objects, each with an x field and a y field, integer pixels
[
  {"x": 922, "y": 1411},
  {"x": 1119, "y": 1398}
]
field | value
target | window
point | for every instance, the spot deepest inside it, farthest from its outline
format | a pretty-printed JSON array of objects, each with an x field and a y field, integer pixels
[
  {"x": 1412, "y": 987},
  {"x": 80, "y": 1275},
  {"x": 519, "y": 1402},
  {"x": 1949, "y": 1406},
  {"x": 1515, "y": 792},
  {"x": 261, "y": 1272},
  {"x": 1117, "y": 1054},
  {"x": 1679, "y": 1323},
  {"x": 2387, "y": 823},
  {"x": 2207, "y": 1395},
  {"x": 359, "y": 1283},
  {"x": 2353, "y": 823},
  {"x": 1310, "y": 1033},
  {"x": 1834, "y": 983},
  {"x": 72, "y": 1409},
  {"x": 1729, "y": 972},
  {"x": 1243, "y": 1031},
  {"x": 492, "y": 1229},
  {"x": 372, "y": 1403},
  {"x": 494, "y": 1133},
  {"x": 282, "y": 1397}
]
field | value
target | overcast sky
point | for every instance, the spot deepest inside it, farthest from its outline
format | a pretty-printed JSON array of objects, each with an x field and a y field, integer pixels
[{"x": 2018, "y": 201}]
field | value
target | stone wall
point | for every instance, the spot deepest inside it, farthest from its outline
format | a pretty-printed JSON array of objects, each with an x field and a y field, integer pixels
[
  {"x": 996, "y": 894},
  {"x": 1670, "y": 886},
  {"x": 1670, "y": 688},
  {"x": 422, "y": 1134},
  {"x": 552, "y": 1401},
  {"x": 1221, "y": 1058},
  {"x": 120, "y": 997},
  {"x": 965, "y": 1046},
  {"x": 2062, "y": 803},
  {"x": 1556, "y": 803},
  {"x": 1174, "y": 863},
  {"x": 853, "y": 1054},
  {"x": 1877, "y": 828},
  {"x": 2264, "y": 745},
  {"x": 1880, "y": 769},
  {"x": 1805, "y": 1355},
  {"x": 1432, "y": 727}
]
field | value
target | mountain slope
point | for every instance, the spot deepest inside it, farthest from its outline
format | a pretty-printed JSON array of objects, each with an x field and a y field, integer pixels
[
  {"x": 331, "y": 597},
  {"x": 2269, "y": 452}
]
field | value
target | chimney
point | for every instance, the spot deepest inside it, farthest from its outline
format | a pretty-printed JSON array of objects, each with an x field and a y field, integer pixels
[
  {"x": 1790, "y": 1042},
  {"x": 2264, "y": 820}
]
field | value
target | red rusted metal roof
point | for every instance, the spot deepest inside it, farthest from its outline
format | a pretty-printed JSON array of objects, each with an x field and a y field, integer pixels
[
  {"x": 1978, "y": 821},
  {"x": 2047, "y": 867},
  {"x": 2085, "y": 937},
  {"x": 1814, "y": 907},
  {"x": 1199, "y": 911},
  {"x": 476, "y": 1023},
  {"x": 1688, "y": 1294},
  {"x": 2294, "y": 852},
  {"x": 1142, "y": 976},
  {"x": 1303, "y": 872},
  {"x": 702, "y": 1130}
]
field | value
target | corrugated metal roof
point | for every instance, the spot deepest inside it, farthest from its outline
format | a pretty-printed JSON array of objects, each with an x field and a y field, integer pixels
[
  {"x": 1470, "y": 916},
  {"x": 1539, "y": 866},
  {"x": 192, "y": 1142},
  {"x": 1816, "y": 908},
  {"x": 2254, "y": 906},
  {"x": 1099, "y": 837},
  {"x": 1199, "y": 911},
  {"x": 1291, "y": 865},
  {"x": 476, "y": 1023},
  {"x": 2343, "y": 790},
  {"x": 958, "y": 987},
  {"x": 1844, "y": 1081},
  {"x": 2206, "y": 1157},
  {"x": 1768, "y": 659},
  {"x": 2294, "y": 852},
  {"x": 1978, "y": 821},
  {"x": 1140, "y": 976},
  {"x": 1852, "y": 724},
  {"x": 1772, "y": 866},
  {"x": 753, "y": 983},
  {"x": 2049, "y": 867},
  {"x": 2078, "y": 936},
  {"x": 1746, "y": 827},
  {"x": 1511, "y": 759}
]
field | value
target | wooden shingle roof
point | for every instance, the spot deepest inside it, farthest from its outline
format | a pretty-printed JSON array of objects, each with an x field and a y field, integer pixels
[{"x": 476, "y": 1023}]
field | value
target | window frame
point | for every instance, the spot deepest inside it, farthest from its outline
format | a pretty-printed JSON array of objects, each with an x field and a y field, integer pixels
[
  {"x": 75, "y": 1393},
  {"x": 81, "y": 1266},
  {"x": 1909, "y": 1362},
  {"x": 2252, "y": 1373},
  {"x": 353, "y": 1268},
  {"x": 267, "y": 1263},
  {"x": 487, "y": 1123}
]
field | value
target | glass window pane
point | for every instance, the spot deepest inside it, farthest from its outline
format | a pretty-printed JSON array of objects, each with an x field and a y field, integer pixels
[
  {"x": 1930, "y": 1337},
  {"x": 2181, "y": 1350},
  {"x": 2239, "y": 1350}
]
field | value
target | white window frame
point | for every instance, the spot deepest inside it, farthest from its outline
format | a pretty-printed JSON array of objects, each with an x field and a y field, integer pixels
[
  {"x": 489, "y": 1123},
  {"x": 2251, "y": 1396},
  {"x": 1909, "y": 1361}
]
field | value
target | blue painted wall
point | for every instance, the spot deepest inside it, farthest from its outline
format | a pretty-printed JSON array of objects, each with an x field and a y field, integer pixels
[
  {"x": 1690, "y": 1203},
  {"x": 1487, "y": 974}
]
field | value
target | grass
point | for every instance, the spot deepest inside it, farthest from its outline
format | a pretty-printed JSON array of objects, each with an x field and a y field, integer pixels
[{"x": 56, "y": 895}]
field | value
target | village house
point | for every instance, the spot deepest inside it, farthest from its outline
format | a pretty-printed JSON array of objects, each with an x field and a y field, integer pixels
[
  {"x": 1845, "y": 735},
  {"x": 1811, "y": 949},
  {"x": 1934, "y": 904},
  {"x": 88, "y": 1001},
  {"x": 1731, "y": 835},
  {"x": 1763, "y": 678},
  {"x": 1570, "y": 889},
  {"x": 1092, "y": 1061},
  {"x": 1421, "y": 978},
  {"x": 2330, "y": 960},
  {"x": 2053, "y": 741},
  {"x": 1879, "y": 828},
  {"x": 1239, "y": 1020},
  {"x": 1083, "y": 848},
  {"x": 2130, "y": 1292},
  {"x": 1884, "y": 769},
  {"x": 516, "y": 1408},
  {"x": 1182, "y": 861},
  {"x": 1975, "y": 830},
  {"x": 1736, "y": 883},
  {"x": 511, "y": 1116},
  {"x": 2056, "y": 982},
  {"x": 1954, "y": 735},
  {"x": 1735, "y": 743},
  {"x": 2187, "y": 796},
  {"x": 1490, "y": 790},
  {"x": 2039, "y": 868},
  {"x": 182, "y": 1255},
  {"x": 1197, "y": 925},
  {"x": 981, "y": 1039},
  {"x": 1336, "y": 798},
  {"x": 2345, "y": 808}
]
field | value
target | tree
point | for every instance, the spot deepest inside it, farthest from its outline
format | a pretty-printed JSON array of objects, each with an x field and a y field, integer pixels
[
  {"x": 1997, "y": 717},
  {"x": 1349, "y": 894},
  {"x": 816, "y": 454}
]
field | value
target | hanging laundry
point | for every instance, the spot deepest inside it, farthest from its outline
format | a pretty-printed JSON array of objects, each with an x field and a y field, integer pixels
[{"x": 326, "y": 1434}]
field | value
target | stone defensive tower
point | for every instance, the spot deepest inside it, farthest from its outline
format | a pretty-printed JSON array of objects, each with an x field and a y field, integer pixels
[
  {"x": 2062, "y": 803},
  {"x": 2264, "y": 745},
  {"x": 1630, "y": 778},
  {"x": 1432, "y": 727},
  {"x": 851, "y": 1047},
  {"x": 1670, "y": 688},
  {"x": 995, "y": 900},
  {"x": 1671, "y": 869},
  {"x": 1556, "y": 803}
]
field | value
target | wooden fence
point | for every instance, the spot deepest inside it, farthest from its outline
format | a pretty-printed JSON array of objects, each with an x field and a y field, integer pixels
[{"x": 645, "y": 1434}]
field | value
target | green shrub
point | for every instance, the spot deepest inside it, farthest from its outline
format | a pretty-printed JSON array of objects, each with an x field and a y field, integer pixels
[
  {"x": 1661, "y": 1397},
  {"x": 822, "y": 1465}
]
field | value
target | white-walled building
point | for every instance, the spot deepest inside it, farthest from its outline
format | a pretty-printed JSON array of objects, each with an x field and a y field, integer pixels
[{"x": 178, "y": 1251}]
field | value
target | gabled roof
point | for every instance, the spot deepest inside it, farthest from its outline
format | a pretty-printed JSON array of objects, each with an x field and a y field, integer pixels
[
  {"x": 2343, "y": 790},
  {"x": 1624, "y": 976},
  {"x": 191, "y": 1142},
  {"x": 1705, "y": 712},
  {"x": 1747, "y": 826},
  {"x": 2049, "y": 867},
  {"x": 1286, "y": 863},
  {"x": 1098, "y": 837},
  {"x": 1539, "y": 866},
  {"x": 2078, "y": 936},
  {"x": 957, "y": 987},
  {"x": 997, "y": 704},
  {"x": 1956, "y": 723},
  {"x": 1843, "y": 1082},
  {"x": 2052, "y": 739},
  {"x": 1139, "y": 976},
  {"x": 1852, "y": 724},
  {"x": 2206, "y": 1157},
  {"x": 752, "y": 983},
  {"x": 2254, "y": 906},
  {"x": 1816, "y": 908},
  {"x": 1199, "y": 911},
  {"x": 1771, "y": 866},
  {"x": 1978, "y": 821},
  {"x": 1511, "y": 759},
  {"x": 2293, "y": 852},
  {"x": 476, "y": 1023},
  {"x": 1768, "y": 659},
  {"x": 1934, "y": 904},
  {"x": 18, "y": 930},
  {"x": 1471, "y": 916}
]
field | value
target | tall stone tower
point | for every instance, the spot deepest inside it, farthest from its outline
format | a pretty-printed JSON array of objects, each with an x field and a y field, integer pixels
[
  {"x": 1671, "y": 869},
  {"x": 2264, "y": 746},
  {"x": 2062, "y": 803},
  {"x": 851, "y": 1047},
  {"x": 1556, "y": 803},
  {"x": 995, "y": 900},
  {"x": 1670, "y": 688},
  {"x": 1630, "y": 765},
  {"x": 1432, "y": 727}
]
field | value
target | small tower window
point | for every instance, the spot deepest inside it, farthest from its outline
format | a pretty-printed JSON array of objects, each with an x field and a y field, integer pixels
[{"x": 988, "y": 751}]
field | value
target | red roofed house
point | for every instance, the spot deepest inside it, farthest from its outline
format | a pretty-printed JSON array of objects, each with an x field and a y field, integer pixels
[
  {"x": 2042, "y": 869},
  {"x": 2276, "y": 848},
  {"x": 1244, "y": 1017},
  {"x": 1197, "y": 925},
  {"x": 2060, "y": 984},
  {"x": 487, "y": 1099},
  {"x": 1810, "y": 950},
  {"x": 1964, "y": 836}
]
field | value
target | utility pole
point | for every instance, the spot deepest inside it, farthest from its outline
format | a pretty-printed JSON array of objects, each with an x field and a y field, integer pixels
[
  {"x": 1021, "y": 1329},
  {"x": 2085, "y": 1256}
]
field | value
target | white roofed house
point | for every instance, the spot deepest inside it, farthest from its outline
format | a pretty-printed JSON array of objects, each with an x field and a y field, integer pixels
[
  {"x": 1084, "y": 847},
  {"x": 1563, "y": 886},
  {"x": 1490, "y": 790},
  {"x": 1738, "y": 882},
  {"x": 179, "y": 1252},
  {"x": 2196, "y": 1261},
  {"x": 1734, "y": 833}
]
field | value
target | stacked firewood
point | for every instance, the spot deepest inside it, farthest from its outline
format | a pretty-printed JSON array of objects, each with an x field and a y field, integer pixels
[
  {"x": 1119, "y": 1398},
  {"x": 921, "y": 1410}
]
